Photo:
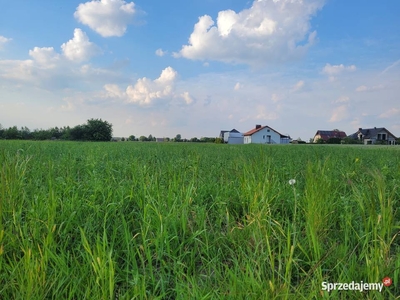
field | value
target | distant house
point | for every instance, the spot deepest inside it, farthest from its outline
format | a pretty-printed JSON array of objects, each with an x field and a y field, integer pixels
[
  {"x": 325, "y": 135},
  {"x": 231, "y": 137},
  {"x": 265, "y": 135},
  {"x": 374, "y": 136},
  {"x": 222, "y": 134}
]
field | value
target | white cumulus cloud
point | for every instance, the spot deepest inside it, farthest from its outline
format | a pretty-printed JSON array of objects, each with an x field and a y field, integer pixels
[
  {"x": 263, "y": 114},
  {"x": 3, "y": 41},
  {"x": 187, "y": 98},
  {"x": 339, "y": 113},
  {"x": 298, "y": 86},
  {"x": 342, "y": 99},
  {"x": 364, "y": 88},
  {"x": 51, "y": 69},
  {"x": 337, "y": 69},
  {"x": 79, "y": 48},
  {"x": 160, "y": 52},
  {"x": 106, "y": 17},
  {"x": 44, "y": 61},
  {"x": 146, "y": 91},
  {"x": 268, "y": 31},
  {"x": 238, "y": 86},
  {"x": 390, "y": 113},
  {"x": 45, "y": 57},
  {"x": 113, "y": 91}
]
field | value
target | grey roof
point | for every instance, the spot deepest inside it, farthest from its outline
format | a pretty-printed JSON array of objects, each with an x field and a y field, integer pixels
[
  {"x": 370, "y": 132},
  {"x": 221, "y": 134}
]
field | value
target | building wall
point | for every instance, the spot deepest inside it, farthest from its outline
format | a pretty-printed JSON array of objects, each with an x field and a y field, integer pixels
[
  {"x": 285, "y": 140},
  {"x": 235, "y": 140},
  {"x": 261, "y": 137},
  {"x": 226, "y": 136},
  {"x": 374, "y": 139},
  {"x": 390, "y": 141},
  {"x": 316, "y": 138}
]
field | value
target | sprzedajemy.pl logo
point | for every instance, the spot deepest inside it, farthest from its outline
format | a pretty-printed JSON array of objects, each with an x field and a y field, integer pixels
[{"x": 356, "y": 286}]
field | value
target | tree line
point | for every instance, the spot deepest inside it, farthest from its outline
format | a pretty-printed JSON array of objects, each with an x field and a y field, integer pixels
[
  {"x": 92, "y": 130},
  {"x": 177, "y": 138}
]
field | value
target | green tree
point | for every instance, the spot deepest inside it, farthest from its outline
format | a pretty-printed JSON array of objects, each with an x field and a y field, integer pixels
[
  {"x": 55, "y": 132},
  {"x": 207, "y": 139},
  {"x": 12, "y": 133},
  {"x": 97, "y": 130},
  {"x": 78, "y": 133},
  {"x": 143, "y": 138},
  {"x": 132, "y": 138},
  {"x": 178, "y": 138},
  {"x": 25, "y": 133},
  {"x": 41, "y": 134},
  {"x": 65, "y": 133}
]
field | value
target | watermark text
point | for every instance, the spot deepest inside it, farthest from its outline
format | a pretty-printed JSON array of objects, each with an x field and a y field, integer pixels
[{"x": 356, "y": 286}]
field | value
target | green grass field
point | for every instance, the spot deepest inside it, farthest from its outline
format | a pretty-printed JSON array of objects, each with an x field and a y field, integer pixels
[{"x": 197, "y": 221}]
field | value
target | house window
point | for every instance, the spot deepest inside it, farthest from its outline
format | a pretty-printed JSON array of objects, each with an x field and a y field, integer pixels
[
  {"x": 382, "y": 136},
  {"x": 267, "y": 130},
  {"x": 263, "y": 137}
]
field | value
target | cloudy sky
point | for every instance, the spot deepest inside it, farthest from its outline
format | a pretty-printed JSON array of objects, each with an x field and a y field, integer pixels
[{"x": 197, "y": 67}]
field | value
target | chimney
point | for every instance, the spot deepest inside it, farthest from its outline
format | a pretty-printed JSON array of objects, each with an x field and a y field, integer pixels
[
  {"x": 258, "y": 126},
  {"x": 360, "y": 129}
]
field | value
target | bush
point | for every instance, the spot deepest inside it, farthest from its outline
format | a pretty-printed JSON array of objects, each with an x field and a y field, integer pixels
[
  {"x": 334, "y": 141},
  {"x": 349, "y": 140}
]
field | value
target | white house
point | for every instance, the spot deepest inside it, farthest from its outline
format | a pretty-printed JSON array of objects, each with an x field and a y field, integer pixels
[
  {"x": 232, "y": 137},
  {"x": 236, "y": 138},
  {"x": 265, "y": 135}
]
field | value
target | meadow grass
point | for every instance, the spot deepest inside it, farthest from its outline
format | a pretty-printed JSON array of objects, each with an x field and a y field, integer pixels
[{"x": 196, "y": 221}]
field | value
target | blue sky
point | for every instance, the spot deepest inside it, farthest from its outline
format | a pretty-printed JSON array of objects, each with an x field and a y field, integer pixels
[{"x": 198, "y": 67}]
